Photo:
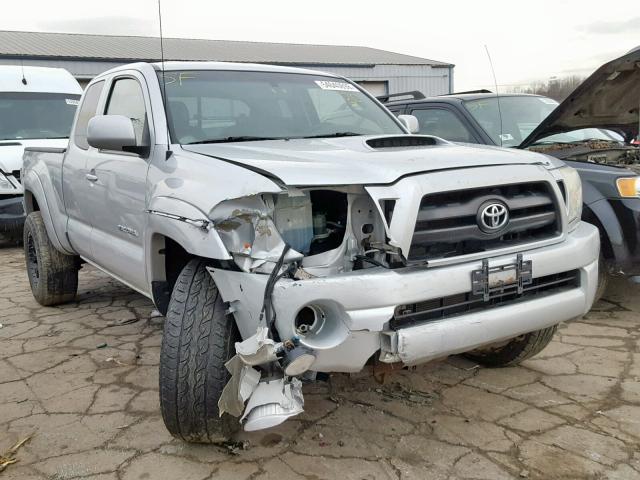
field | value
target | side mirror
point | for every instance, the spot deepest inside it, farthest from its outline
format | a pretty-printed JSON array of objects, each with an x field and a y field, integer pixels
[
  {"x": 111, "y": 132},
  {"x": 410, "y": 122}
]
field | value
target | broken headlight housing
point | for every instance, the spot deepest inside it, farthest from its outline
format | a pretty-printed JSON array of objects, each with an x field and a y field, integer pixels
[
  {"x": 573, "y": 195},
  {"x": 628, "y": 187}
]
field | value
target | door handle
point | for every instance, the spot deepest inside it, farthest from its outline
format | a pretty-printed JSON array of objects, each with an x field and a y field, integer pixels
[{"x": 91, "y": 177}]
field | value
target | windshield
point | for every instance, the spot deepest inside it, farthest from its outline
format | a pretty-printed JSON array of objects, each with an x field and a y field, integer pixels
[
  {"x": 206, "y": 106},
  {"x": 36, "y": 115},
  {"x": 520, "y": 116}
]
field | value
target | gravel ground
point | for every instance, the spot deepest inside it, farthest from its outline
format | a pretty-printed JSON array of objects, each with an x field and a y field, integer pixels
[{"x": 82, "y": 380}]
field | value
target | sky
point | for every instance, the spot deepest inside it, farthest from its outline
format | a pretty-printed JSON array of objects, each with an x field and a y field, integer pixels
[{"x": 527, "y": 41}]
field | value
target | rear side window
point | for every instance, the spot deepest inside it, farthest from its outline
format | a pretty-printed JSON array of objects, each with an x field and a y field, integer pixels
[
  {"x": 444, "y": 124},
  {"x": 127, "y": 99},
  {"x": 87, "y": 112}
]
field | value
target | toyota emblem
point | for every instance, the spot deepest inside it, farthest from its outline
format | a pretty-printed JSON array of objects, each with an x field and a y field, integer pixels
[{"x": 493, "y": 217}]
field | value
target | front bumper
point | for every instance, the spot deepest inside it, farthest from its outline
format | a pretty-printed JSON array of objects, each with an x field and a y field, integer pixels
[
  {"x": 11, "y": 211},
  {"x": 359, "y": 305}
]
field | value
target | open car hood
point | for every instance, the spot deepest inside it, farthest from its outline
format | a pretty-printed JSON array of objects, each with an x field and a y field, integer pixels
[{"x": 609, "y": 98}]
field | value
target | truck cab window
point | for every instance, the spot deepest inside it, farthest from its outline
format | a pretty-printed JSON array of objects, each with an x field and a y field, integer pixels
[
  {"x": 127, "y": 99},
  {"x": 442, "y": 123}
]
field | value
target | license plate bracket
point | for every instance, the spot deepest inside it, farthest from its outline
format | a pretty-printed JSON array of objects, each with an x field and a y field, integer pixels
[{"x": 512, "y": 277}]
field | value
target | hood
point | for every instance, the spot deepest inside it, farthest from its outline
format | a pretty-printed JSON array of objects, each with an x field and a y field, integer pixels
[
  {"x": 11, "y": 151},
  {"x": 609, "y": 98},
  {"x": 353, "y": 160}
]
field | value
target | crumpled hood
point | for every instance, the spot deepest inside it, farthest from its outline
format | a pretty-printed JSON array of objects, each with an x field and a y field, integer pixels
[
  {"x": 609, "y": 98},
  {"x": 351, "y": 161},
  {"x": 11, "y": 151}
]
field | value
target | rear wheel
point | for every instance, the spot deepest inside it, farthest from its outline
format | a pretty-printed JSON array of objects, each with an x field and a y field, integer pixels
[
  {"x": 52, "y": 274},
  {"x": 515, "y": 350},
  {"x": 199, "y": 337}
]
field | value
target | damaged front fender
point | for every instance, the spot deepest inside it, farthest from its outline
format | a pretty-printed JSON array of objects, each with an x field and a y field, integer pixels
[{"x": 246, "y": 228}]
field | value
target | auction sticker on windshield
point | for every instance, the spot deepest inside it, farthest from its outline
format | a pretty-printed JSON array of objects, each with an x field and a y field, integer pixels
[{"x": 341, "y": 86}]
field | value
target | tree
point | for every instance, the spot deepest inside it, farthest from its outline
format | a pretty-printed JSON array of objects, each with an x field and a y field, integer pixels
[{"x": 556, "y": 88}]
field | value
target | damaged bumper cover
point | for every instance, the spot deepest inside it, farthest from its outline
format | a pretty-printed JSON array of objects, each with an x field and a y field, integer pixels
[{"x": 355, "y": 308}]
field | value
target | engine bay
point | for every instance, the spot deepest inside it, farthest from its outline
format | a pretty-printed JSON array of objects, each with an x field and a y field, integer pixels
[
  {"x": 594, "y": 151},
  {"x": 327, "y": 231}
]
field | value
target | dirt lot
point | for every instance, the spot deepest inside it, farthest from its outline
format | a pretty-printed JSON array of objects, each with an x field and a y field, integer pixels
[{"x": 82, "y": 379}]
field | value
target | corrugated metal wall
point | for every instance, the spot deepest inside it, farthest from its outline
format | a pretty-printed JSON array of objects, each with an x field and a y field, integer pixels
[{"x": 400, "y": 78}]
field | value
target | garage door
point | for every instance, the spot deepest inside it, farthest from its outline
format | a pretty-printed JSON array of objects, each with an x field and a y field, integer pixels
[{"x": 375, "y": 88}]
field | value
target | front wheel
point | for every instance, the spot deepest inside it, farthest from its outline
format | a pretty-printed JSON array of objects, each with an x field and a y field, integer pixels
[
  {"x": 53, "y": 275},
  {"x": 515, "y": 350},
  {"x": 199, "y": 337}
]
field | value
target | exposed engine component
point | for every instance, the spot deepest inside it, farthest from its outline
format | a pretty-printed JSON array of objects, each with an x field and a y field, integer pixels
[
  {"x": 327, "y": 231},
  {"x": 594, "y": 151}
]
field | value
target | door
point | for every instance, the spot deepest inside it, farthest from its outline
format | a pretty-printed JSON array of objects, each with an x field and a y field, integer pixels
[
  {"x": 444, "y": 123},
  {"x": 375, "y": 88},
  {"x": 117, "y": 197},
  {"x": 76, "y": 186}
]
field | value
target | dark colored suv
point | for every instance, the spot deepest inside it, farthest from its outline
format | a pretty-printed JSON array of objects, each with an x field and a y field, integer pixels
[{"x": 594, "y": 131}]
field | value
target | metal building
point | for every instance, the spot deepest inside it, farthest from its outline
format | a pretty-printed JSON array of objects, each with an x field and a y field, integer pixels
[{"x": 85, "y": 56}]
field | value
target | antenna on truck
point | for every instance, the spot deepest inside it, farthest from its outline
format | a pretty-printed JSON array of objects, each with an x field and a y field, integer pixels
[
  {"x": 164, "y": 83},
  {"x": 495, "y": 83},
  {"x": 24, "y": 79}
]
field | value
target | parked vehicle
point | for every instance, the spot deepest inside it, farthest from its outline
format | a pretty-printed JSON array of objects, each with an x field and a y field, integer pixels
[
  {"x": 36, "y": 108},
  {"x": 287, "y": 224},
  {"x": 592, "y": 131}
]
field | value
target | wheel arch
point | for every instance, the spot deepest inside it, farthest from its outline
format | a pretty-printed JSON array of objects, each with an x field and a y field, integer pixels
[
  {"x": 35, "y": 199},
  {"x": 167, "y": 255},
  {"x": 604, "y": 219}
]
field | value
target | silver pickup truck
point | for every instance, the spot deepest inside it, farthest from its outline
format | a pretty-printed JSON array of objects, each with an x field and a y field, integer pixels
[{"x": 287, "y": 224}]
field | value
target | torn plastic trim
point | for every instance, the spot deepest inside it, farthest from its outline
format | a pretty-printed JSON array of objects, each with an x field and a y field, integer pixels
[
  {"x": 270, "y": 402},
  {"x": 243, "y": 382},
  {"x": 273, "y": 402},
  {"x": 258, "y": 349}
]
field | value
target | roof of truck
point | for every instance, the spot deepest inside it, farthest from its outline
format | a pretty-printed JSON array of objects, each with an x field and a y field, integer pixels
[
  {"x": 37, "y": 80},
  {"x": 248, "y": 67}
]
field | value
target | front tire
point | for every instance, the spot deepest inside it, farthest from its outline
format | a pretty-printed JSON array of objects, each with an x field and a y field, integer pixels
[
  {"x": 515, "y": 351},
  {"x": 52, "y": 274},
  {"x": 199, "y": 337}
]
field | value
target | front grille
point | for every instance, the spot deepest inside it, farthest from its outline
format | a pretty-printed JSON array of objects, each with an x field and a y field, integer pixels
[
  {"x": 464, "y": 303},
  {"x": 447, "y": 223},
  {"x": 16, "y": 174}
]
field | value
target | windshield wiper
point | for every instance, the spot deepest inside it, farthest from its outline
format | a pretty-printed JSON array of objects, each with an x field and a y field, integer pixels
[
  {"x": 336, "y": 135},
  {"x": 241, "y": 138}
]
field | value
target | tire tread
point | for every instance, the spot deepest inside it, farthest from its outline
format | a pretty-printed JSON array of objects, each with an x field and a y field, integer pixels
[{"x": 198, "y": 339}]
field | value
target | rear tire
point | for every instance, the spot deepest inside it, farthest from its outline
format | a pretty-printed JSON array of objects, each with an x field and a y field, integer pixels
[
  {"x": 52, "y": 274},
  {"x": 515, "y": 351},
  {"x": 199, "y": 337}
]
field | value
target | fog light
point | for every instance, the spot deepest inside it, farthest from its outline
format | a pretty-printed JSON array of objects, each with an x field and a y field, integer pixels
[{"x": 298, "y": 360}]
